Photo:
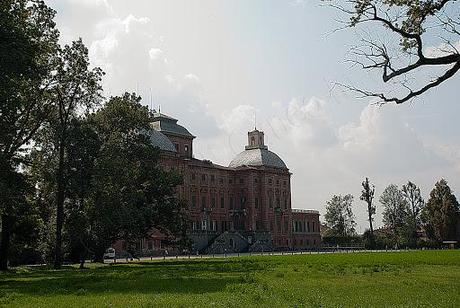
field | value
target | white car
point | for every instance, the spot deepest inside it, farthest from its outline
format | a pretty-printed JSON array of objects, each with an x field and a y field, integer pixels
[{"x": 109, "y": 253}]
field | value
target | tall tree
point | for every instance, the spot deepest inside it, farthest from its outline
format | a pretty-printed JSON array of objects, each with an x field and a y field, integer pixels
[
  {"x": 367, "y": 195},
  {"x": 424, "y": 34},
  {"x": 416, "y": 203},
  {"x": 131, "y": 193},
  {"x": 76, "y": 88},
  {"x": 395, "y": 212},
  {"x": 339, "y": 215},
  {"x": 28, "y": 45},
  {"x": 441, "y": 213}
]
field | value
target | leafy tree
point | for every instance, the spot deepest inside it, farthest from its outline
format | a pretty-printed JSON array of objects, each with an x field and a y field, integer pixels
[
  {"x": 131, "y": 193},
  {"x": 367, "y": 195},
  {"x": 339, "y": 215},
  {"x": 28, "y": 45},
  {"x": 395, "y": 213},
  {"x": 441, "y": 213},
  {"x": 76, "y": 88},
  {"x": 415, "y": 26},
  {"x": 416, "y": 203}
]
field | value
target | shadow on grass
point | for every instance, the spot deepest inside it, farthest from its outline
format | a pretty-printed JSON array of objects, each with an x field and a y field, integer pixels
[{"x": 143, "y": 277}]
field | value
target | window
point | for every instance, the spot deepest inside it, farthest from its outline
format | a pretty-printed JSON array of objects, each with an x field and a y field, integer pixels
[
  {"x": 253, "y": 141},
  {"x": 231, "y": 202},
  {"x": 203, "y": 202},
  {"x": 256, "y": 203},
  {"x": 256, "y": 180},
  {"x": 277, "y": 182},
  {"x": 176, "y": 146},
  {"x": 214, "y": 225},
  {"x": 213, "y": 201},
  {"x": 285, "y": 226},
  {"x": 278, "y": 203},
  {"x": 203, "y": 225},
  {"x": 284, "y": 183},
  {"x": 193, "y": 176},
  {"x": 308, "y": 226},
  {"x": 186, "y": 149},
  {"x": 222, "y": 202},
  {"x": 212, "y": 178},
  {"x": 230, "y": 181},
  {"x": 285, "y": 203},
  {"x": 241, "y": 181},
  {"x": 270, "y": 181},
  {"x": 221, "y": 181},
  {"x": 193, "y": 201},
  {"x": 194, "y": 225},
  {"x": 203, "y": 177},
  {"x": 270, "y": 202}
]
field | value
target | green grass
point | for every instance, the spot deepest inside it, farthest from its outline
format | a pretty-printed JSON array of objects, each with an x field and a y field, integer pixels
[{"x": 405, "y": 279}]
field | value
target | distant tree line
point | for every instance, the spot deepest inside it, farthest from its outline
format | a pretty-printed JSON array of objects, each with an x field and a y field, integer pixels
[
  {"x": 77, "y": 171},
  {"x": 408, "y": 221}
]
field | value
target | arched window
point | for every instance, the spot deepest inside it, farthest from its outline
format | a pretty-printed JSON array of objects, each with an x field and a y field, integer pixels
[{"x": 253, "y": 141}]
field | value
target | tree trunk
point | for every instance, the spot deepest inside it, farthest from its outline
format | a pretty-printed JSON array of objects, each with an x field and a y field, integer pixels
[
  {"x": 59, "y": 207},
  {"x": 5, "y": 242},
  {"x": 371, "y": 228}
]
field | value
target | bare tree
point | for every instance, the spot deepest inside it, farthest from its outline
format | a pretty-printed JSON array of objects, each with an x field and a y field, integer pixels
[{"x": 413, "y": 26}]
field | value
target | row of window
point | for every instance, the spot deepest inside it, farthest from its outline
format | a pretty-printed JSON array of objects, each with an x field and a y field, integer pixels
[
  {"x": 305, "y": 226},
  {"x": 242, "y": 202},
  {"x": 222, "y": 226},
  {"x": 212, "y": 178}
]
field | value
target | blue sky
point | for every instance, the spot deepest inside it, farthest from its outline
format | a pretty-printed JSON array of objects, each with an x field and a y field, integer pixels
[{"x": 215, "y": 64}]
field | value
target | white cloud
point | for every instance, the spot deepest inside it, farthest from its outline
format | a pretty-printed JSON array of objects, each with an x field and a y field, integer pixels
[
  {"x": 155, "y": 53},
  {"x": 442, "y": 49}
]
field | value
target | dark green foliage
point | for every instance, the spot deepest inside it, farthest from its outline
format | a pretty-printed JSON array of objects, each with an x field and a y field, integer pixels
[
  {"x": 395, "y": 214},
  {"x": 27, "y": 49},
  {"x": 131, "y": 193},
  {"x": 339, "y": 216},
  {"x": 441, "y": 213}
]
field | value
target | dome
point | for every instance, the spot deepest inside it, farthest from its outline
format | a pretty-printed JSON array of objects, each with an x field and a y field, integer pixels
[
  {"x": 160, "y": 141},
  {"x": 258, "y": 157}
]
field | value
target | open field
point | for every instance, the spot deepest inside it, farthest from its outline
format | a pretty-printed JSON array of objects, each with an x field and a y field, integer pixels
[{"x": 403, "y": 279}]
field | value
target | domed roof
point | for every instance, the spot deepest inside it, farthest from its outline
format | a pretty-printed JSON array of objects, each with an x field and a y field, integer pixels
[
  {"x": 257, "y": 157},
  {"x": 160, "y": 141}
]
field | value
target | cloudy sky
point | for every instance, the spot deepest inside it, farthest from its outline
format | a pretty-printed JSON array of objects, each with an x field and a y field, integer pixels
[{"x": 215, "y": 64}]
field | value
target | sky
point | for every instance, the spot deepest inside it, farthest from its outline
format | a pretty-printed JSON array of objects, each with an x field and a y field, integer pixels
[{"x": 221, "y": 67}]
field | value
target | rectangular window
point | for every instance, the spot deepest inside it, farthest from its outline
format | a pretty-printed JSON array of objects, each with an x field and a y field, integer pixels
[
  {"x": 212, "y": 178},
  {"x": 203, "y": 177},
  {"x": 204, "y": 225},
  {"x": 193, "y": 176},
  {"x": 270, "y": 202},
  {"x": 285, "y": 203},
  {"x": 213, "y": 201},
  {"x": 231, "y": 202},
  {"x": 221, "y": 181},
  {"x": 308, "y": 226},
  {"x": 256, "y": 203},
  {"x": 203, "y": 202},
  {"x": 241, "y": 181},
  {"x": 186, "y": 149},
  {"x": 193, "y": 201},
  {"x": 222, "y": 202}
]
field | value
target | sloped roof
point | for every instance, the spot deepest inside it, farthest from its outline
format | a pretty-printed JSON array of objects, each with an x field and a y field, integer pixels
[{"x": 167, "y": 124}]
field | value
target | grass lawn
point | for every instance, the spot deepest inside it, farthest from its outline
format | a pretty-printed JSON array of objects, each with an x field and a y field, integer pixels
[{"x": 404, "y": 279}]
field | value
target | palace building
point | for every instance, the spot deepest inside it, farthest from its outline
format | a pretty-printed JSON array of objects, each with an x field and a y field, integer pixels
[{"x": 245, "y": 206}]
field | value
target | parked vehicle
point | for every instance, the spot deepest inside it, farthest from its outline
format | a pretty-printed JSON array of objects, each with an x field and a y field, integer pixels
[{"x": 109, "y": 253}]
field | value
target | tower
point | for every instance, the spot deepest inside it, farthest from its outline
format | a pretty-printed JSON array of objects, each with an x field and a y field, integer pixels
[{"x": 256, "y": 140}]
